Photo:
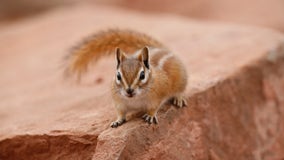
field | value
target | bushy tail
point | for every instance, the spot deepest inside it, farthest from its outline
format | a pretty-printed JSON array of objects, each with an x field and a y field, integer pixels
[{"x": 103, "y": 44}]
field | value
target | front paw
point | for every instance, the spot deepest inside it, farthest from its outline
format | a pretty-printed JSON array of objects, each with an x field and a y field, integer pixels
[
  {"x": 150, "y": 119},
  {"x": 117, "y": 123},
  {"x": 179, "y": 101}
]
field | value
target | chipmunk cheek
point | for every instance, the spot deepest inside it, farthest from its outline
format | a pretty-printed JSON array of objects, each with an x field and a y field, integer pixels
[{"x": 138, "y": 91}]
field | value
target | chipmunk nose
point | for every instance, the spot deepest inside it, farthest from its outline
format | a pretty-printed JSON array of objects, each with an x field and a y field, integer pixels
[{"x": 129, "y": 91}]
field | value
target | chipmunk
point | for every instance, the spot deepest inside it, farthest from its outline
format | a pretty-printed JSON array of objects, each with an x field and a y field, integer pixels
[{"x": 147, "y": 73}]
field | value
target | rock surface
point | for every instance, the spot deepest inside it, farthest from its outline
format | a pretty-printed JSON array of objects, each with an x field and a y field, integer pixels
[
  {"x": 235, "y": 91},
  {"x": 266, "y": 13}
]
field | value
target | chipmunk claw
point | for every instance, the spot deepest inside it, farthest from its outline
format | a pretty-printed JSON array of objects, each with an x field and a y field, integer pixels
[
  {"x": 150, "y": 119},
  {"x": 179, "y": 101},
  {"x": 117, "y": 123}
]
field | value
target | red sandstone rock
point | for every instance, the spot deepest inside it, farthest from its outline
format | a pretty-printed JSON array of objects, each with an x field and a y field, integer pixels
[
  {"x": 235, "y": 91},
  {"x": 267, "y": 13}
]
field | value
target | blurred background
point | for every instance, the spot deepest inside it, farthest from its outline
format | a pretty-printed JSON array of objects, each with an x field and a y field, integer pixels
[{"x": 265, "y": 13}]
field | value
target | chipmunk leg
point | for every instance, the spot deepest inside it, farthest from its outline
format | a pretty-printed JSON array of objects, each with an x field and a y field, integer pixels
[
  {"x": 179, "y": 101},
  {"x": 120, "y": 118},
  {"x": 151, "y": 114}
]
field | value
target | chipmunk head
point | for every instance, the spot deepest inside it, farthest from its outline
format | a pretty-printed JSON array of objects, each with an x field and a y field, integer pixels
[{"x": 133, "y": 72}]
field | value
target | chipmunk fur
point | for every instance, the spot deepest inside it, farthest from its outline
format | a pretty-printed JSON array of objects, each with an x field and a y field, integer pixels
[{"x": 147, "y": 74}]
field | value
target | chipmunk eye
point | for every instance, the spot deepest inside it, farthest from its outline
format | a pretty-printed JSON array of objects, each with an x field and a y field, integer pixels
[
  {"x": 142, "y": 75},
  {"x": 118, "y": 76}
]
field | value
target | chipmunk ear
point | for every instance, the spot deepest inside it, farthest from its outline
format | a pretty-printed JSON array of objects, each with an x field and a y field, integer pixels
[
  {"x": 144, "y": 57},
  {"x": 120, "y": 56}
]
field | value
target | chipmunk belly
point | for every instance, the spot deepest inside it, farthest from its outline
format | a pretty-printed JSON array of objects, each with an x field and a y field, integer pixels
[{"x": 135, "y": 103}]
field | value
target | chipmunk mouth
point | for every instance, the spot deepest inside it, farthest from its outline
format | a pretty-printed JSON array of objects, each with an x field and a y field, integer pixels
[{"x": 130, "y": 95}]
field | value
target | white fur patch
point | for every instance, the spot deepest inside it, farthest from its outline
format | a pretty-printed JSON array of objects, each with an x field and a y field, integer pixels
[{"x": 163, "y": 60}]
